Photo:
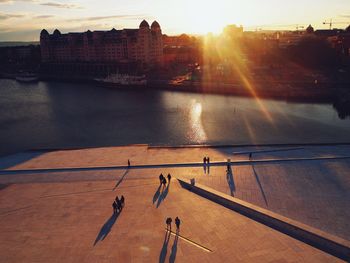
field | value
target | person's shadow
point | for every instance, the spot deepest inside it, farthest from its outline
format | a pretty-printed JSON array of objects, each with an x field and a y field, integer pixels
[
  {"x": 230, "y": 181},
  {"x": 156, "y": 194},
  {"x": 164, "y": 250},
  {"x": 174, "y": 249},
  {"x": 260, "y": 186},
  {"x": 121, "y": 179},
  {"x": 106, "y": 228},
  {"x": 163, "y": 195}
]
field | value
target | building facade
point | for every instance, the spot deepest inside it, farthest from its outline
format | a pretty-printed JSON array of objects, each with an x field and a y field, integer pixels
[
  {"x": 143, "y": 46},
  {"x": 19, "y": 58}
]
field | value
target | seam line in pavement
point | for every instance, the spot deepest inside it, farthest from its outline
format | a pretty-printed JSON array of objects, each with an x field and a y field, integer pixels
[
  {"x": 14, "y": 210},
  {"x": 190, "y": 241}
]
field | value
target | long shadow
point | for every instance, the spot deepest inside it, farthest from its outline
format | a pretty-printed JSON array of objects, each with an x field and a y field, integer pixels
[
  {"x": 163, "y": 195},
  {"x": 3, "y": 186},
  {"x": 174, "y": 249},
  {"x": 164, "y": 250},
  {"x": 106, "y": 228},
  {"x": 15, "y": 159},
  {"x": 260, "y": 186},
  {"x": 230, "y": 181},
  {"x": 121, "y": 179},
  {"x": 156, "y": 194}
]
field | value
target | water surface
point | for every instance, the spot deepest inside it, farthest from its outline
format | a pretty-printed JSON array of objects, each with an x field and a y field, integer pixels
[{"x": 61, "y": 115}]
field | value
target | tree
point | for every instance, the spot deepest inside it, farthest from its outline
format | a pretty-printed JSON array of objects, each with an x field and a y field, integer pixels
[{"x": 313, "y": 52}]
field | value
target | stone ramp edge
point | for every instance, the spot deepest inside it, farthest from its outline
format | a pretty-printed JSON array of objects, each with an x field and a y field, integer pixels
[{"x": 326, "y": 242}]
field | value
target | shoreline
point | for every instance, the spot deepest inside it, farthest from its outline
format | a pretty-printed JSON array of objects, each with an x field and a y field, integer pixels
[{"x": 282, "y": 90}]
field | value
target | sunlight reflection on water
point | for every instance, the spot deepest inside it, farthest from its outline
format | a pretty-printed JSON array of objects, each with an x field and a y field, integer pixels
[{"x": 197, "y": 132}]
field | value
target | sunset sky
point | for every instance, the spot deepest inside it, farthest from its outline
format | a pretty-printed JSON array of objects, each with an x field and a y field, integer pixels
[{"x": 23, "y": 20}]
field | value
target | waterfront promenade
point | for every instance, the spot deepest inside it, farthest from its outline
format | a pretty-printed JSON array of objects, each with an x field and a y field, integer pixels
[{"x": 56, "y": 205}]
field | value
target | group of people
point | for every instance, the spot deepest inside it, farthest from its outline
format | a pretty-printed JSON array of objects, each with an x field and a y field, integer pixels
[
  {"x": 206, "y": 160},
  {"x": 162, "y": 179},
  {"x": 168, "y": 222},
  {"x": 206, "y": 164},
  {"x": 118, "y": 204}
]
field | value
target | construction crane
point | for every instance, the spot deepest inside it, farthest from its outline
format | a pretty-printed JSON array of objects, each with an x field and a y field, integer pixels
[{"x": 331, "y": 23}]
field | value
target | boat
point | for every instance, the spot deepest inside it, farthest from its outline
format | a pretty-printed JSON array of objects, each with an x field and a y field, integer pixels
[
  {"x": 123, "y": 80},
  {"x": 27, "y": 77}
]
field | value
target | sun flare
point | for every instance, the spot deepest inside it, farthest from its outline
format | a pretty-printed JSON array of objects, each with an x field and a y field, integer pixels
[{"x": 202, "y": 17}]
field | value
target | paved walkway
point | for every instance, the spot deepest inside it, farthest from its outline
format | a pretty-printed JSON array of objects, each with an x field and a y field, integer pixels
[
  {"x": 314, "y": 191},
  {"x": 56, "y": 222}
]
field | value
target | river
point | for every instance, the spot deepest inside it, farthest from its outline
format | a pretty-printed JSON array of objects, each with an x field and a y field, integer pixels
[{"x": 49, "y": 115}]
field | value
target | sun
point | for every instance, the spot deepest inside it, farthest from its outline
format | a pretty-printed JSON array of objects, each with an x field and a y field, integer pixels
[{"x": 202, "y": 17}]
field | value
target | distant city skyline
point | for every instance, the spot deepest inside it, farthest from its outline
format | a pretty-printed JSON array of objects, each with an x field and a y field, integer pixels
[{"x": 22, "y": 20}]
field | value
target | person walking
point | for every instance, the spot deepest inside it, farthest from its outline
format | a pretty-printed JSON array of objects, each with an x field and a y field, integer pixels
[
  {"x": 114, "y": 205},
  {"x": 177, "y": 223},
  {"x": 119, "y": 205},
  {"x": 250, "y": 156},
  {"x": 128, "y": 163},
  {"x": 228, "y": 168},
  {"x": 168, "y": 223},
  {"x": 122, "y": 200},
  {"x": 169, "y": 177},
  {"x": 208, "y": 164},
  {"x": 161, "y": 177}
]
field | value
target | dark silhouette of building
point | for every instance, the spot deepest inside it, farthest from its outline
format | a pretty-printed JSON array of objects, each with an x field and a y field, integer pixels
[
  {"x": 310, "y": 30},
  {"x": 19, "y": 58},
  {"x": 98, "y": 50}
]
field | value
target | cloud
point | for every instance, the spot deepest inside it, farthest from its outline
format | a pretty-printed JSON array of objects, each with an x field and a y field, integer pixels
[
  {"x": 61, "y": 5},
  {"x": 44, "y": 16},
  {"x": 96, "y": 18},
  {"x": 11, "y": 1},
  {"x": 5, "y": 29},
  {"x": 4, "y": 16}
]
